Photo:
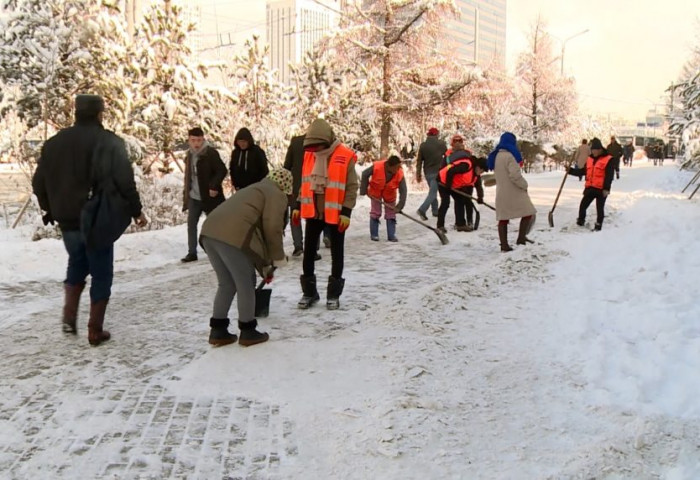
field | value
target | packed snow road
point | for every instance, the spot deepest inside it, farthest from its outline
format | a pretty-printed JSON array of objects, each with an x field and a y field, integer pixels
[{"x": 575, "y": 357}]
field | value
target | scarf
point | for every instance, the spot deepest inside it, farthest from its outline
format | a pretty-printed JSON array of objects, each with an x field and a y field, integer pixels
[
  {"x": 319, "y": 175},
  {"x": 508, "y": 143}
]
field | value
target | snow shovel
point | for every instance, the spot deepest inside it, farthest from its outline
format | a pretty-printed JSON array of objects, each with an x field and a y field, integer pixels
[
  {"x": 477, "y": 218},
  {"x": 691, "y": 182},
  {"x": 459, "y": 192},
  {"x": 441, "y": 236},
  {"x": 561, "y": 187},
  {"x": 262, "y": 298}
]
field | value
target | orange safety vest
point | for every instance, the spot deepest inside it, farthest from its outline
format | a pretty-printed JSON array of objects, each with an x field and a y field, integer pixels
[
  {"x": 460, "y": 180},
  {"x": 378, "y": 186},
  {"x": 595, "y": 172},
  {"x": 334, "y": 194}
]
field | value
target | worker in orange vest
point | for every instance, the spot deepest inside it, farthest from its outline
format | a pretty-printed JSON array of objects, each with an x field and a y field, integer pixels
[
  {"x": 380, "y": 182},
  {"x": 600, "y": 172},
  {"x": 462, "y": 173},
  {"x": 327, "y": 195}
]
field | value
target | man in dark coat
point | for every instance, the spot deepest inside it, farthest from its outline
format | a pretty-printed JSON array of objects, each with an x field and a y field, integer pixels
[
  {"x": 248, "y": 161},
  {"x": 293, "y": 162},
  {"x": 428, "y": 161},
  {"x": 62, "y": 183},
  {"x": 615, "y": 151},
  {"x": 202, "y": 192},
  {"x": 600, "y": 171}
]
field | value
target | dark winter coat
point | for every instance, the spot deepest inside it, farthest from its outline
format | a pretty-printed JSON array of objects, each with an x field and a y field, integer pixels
[
  {"x": 430, "y": 155},
  {"x": 293, "y": 162},
  {"x": 63, "y": 177},
  {"x": 247, "y": 166},
  {"x": 464, "y": 168},
  {"x": 211, "y": 171}
]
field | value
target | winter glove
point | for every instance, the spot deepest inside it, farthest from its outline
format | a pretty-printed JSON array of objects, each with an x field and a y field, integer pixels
[
  {"x": 480, "y": 200},
  {"x": 47, "y": 219},
  {"x": 606, "y": 193},
  {"x": 296, "y": 217},
  {"x": 343, "y": 223},
  {"x": 269, "y": 273}
]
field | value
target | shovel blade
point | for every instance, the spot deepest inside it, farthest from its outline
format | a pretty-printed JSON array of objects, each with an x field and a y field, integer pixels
[{"x": 550, "y": 217}]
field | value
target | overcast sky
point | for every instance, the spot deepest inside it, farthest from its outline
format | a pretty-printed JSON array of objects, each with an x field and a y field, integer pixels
[{"x": 632, "y": 52}]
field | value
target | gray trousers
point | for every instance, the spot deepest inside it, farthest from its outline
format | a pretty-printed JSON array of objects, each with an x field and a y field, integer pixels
[{"x": 236, "y": 274}]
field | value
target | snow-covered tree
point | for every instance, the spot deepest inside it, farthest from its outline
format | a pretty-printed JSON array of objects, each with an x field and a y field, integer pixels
[
  {"x": 687, "y": 123},
  {"x": 392, "y": 46},
  {"x": 55, "y": 49},
  {"x": 546, "y": 100},
  {"x": 261, "y": 100},
  {"x": 170, "y": 97}
]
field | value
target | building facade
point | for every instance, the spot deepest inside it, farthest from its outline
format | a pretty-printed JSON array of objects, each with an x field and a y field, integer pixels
[
  {"x": 294, "y": 27},
  {"x": 479, "y": 35}
]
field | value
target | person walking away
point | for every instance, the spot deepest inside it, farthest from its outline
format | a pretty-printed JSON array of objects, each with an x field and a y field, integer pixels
[
  {"x": 327, "y": 196},
  {"x": 628, "y": 153},
  {"x": 202, "y": 192},
  {"x": 512, "y": 199},
  {"x": 600, "y": 171},
  {"x": 429, "y": 158},
  {"x": 248, "y": 161},
  {"x": 462, "y": 173},
  {"x": 582, "y": 153},
  {"x": 380, "y": 182},
  {"x": 615, "y": 151},
  {"x": 62, "y": 183},
  {"x": 240, "y": 236}
]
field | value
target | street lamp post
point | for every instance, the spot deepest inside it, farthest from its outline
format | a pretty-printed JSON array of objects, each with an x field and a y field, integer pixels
[{"x": 563, "y": 45}]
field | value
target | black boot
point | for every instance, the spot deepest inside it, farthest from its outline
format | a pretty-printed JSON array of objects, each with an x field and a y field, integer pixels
[
  {"x": 335, "y": 289},
  {"x": 218, "y": 335},
  {"x": 503, "y": 237},
  {"x": 249, "y": 334},
  {"x": 525, "y": 224},
  {"x": 308, "y": 286}
]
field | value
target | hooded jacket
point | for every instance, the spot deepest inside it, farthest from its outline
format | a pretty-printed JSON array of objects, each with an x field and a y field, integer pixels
[{"x": 247, "y": 166}]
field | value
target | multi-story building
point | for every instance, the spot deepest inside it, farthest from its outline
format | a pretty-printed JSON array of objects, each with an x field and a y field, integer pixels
[
  {"x": 294, "y": 27},
  {"x": 479, "y": 35}
]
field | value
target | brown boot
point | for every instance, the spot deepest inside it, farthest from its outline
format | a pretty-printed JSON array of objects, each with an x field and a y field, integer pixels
[
  {"x": 70, "y": 307},
  {"x": 97, "y": 317},
  {"x": 503, "y": 237},
  {"x": 525, "y": 224}
]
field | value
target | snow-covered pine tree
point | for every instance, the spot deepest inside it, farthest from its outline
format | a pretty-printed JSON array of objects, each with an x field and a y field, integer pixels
[
  {"x": 546, "y": 100},
  {"x": 55, "y": 49},
  {"x": 686, "y": 124},
  {"x": 391, "y": 45},
  {"x": 262, "y": 100},
  {"x": 170, "y": 97}
]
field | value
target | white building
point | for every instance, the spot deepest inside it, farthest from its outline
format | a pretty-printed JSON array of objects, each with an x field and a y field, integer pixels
[
  {"x": 294, "y": 27},
  {"x": 479, "y": 35}
]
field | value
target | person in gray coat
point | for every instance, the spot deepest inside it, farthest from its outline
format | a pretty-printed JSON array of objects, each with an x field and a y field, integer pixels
[
  {"x": 429, "y": 161},
  {"x": 512, "y": 199},
  {"x": 240, "y": 236}
]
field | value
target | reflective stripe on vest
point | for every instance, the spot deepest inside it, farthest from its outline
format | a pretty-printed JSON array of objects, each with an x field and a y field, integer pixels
[
  {"x": 334, "y": 194},
  {"x": 595, "y": 171},
  {"x": 378, "y": 186},
  {"x": 460, "y": 180}
]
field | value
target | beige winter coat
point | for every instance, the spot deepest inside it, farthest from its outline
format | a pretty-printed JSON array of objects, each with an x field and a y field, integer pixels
[
  {"x": 582, "y": 153},
  {"x": 512, "y": 200},
  {"x": 252, "y": 220}
]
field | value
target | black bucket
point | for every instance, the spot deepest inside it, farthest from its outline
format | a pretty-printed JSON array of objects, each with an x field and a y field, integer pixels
[{"x": 262, "y": 302}]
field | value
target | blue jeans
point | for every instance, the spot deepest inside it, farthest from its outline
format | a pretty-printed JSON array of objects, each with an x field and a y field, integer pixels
[
  {"x": 431, "y": 200},
  {"x": 194, "y": 211},
  {"x": 81, "y": 262}
]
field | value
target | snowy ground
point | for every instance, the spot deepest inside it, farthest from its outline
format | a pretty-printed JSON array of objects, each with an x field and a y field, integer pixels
[{"x": 574, "y": 358}]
